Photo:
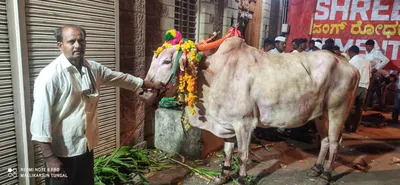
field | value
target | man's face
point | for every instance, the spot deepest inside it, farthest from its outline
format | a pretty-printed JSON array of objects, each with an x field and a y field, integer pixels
[
  {"x": 337, "y": 52},
  {"x": 281, "y": 46},
  {"x": 302, "y": 47},
  {"x": 268, "y": 48},
  {"x": 369, "y": 48},
  {"x": 73, "y": 44},
  {"x": 294, "y": 45},
  {"x": 351, "y": 54},
  {"x": 311, "y": 45}
]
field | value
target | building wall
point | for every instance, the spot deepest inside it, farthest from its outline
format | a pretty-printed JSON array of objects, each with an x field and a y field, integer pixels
[
  {"x": 132, "y": 61},
  {"x": 230, "y": 14},
  {"x": 210, "y": 18},
  {"x": 159, "y": 19},
  {"x": 266, "y": 16}
]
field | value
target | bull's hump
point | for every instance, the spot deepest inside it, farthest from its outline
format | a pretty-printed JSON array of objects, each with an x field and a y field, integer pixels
[{"x": 231, "y": 43}]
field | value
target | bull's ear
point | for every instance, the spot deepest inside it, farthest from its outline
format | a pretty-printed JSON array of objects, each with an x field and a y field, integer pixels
[{"x": 182, "y": 62}]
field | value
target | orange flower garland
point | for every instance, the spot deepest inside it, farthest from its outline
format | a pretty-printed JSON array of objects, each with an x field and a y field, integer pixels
[{"x": 188, "y": 77}]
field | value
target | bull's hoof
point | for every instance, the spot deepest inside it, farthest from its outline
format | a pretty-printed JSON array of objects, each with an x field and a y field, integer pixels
[
  {"x": 324, "y": 179},
  {"x": 321, "y": 181},
  {"x": 315, "y": 171},
  {"x": 242, "y": 181},
  {"x": 221, "y": 179}
]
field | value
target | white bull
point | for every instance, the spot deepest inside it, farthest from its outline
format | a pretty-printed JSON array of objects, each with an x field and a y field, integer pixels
[{"x": 240, "y": 87}]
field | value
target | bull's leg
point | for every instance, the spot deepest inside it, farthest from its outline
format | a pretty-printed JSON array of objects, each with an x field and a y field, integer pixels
[
  {"x": 337, "y": 117},
  {"x": 243, "y": 131},
  {"x": 322, "y": 128},
  {"x": 226, "y": 169}
]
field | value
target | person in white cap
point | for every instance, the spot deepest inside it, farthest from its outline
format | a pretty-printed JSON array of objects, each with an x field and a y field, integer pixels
[
  {"x": 280, "y": 45},
  {"x": 318, "y": 44}
]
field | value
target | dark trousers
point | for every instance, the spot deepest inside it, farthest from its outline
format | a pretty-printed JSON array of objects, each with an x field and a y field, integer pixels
[
  {"x": 352, "y": 124},
  {"x": 396, "y": 109},
  {"x": 376, "y": 88},
  {"x": 79, "y": 170}
]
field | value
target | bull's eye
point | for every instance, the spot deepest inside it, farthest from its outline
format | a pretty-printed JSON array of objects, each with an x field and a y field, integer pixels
[{"x": 167, "y": 61}]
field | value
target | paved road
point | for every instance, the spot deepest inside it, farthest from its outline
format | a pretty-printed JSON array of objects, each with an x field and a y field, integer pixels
[{"x": 377, "y": 147}]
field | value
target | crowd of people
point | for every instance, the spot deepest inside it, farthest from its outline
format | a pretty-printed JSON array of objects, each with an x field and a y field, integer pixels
[{"x": 374, "y": 79}]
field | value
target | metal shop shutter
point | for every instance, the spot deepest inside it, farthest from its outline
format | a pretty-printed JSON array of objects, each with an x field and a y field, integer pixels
[
  {"x": 97, "y": 17},
  {"x": 8, "y": 144},
  {"x": 185, "y": 18}
]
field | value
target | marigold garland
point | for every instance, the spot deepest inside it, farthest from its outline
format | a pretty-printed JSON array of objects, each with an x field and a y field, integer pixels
[{"x": 188, "y": 77}]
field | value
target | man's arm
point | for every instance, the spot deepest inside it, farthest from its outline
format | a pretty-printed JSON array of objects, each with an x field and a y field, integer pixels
[
  {"x": 44, "y": 96},
  {"x": 126, "y": 81},
  {"x": 382, "y": 58}
]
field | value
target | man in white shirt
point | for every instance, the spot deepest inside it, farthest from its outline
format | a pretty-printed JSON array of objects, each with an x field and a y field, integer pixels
[
  {"x": 300, "y": 45},
  {"x": 375, "y": 56},
  {"x": 364, "y": 68},
  {"x": 66, "y": 95},
  {"x": 280, "y": 45},
  {"x": 378, "y": 61}
]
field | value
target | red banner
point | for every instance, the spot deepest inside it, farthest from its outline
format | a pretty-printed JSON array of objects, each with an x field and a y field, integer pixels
[{"x": 353, "y": 22}]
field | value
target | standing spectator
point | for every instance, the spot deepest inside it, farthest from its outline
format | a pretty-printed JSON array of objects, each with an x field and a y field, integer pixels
[
  {"x": 378, "y": 61},
  {"x": 375, "y": 56},
  {"x": 318, "y": 43},
  {"x": 280, "y": 45},
  {"x": 396, "y": 109},
  {"x": 379, "y": 80},
  {"x": 269, "y": 44},
  {"x": 336, "y": 50},
  {"x": 301, "y": 44},
  {"x": 294, "y": 45},
  {"x": 363, "y": 67},
  {"x": 330, "y": 41},
  {"x": 311, "y": 45}
]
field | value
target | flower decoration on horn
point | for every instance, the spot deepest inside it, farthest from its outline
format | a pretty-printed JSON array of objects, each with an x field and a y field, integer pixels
[{"x": 171, "y": 37}]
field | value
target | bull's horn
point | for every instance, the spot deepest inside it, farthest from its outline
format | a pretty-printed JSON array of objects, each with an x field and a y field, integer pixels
[{"x": 202, "y": 46}]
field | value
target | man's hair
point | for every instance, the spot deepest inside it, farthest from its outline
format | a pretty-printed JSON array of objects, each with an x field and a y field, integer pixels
[
  {"x": 300, "y": 41},
  {"x": 328, "y": 46},
  {"x": 354, "y": 49},
  {"x": 312, "y": 42},
  {"x": 268, "y": 42},
  {"x": 330, "y": 41},
  {"x": 58, "y": 32},
  {"x": 336, "y": 48},
  {"x": 370, "y": 42}
]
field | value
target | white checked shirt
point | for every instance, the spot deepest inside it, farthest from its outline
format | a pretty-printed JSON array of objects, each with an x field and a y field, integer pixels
[
  {"x": 273, "y": 51},
  {"x": 64, "y": 114}
]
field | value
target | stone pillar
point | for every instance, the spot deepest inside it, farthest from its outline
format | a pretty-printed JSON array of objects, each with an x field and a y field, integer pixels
[
  {"x": 159, "y": 19},
  {"x": 266, "y": 11},
  {"x": 230, "y": 15},
  {"x": 132, "y": 61}
]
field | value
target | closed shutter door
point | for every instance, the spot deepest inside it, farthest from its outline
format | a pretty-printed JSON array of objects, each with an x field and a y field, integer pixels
[
  {"x": 97, "y": 17},
  {"x": 8, "y": 144}
]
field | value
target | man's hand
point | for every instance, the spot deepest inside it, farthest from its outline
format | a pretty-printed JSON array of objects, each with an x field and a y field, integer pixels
[
  {"x": 53, "y": 164},
  {"x": 55, "y": 168},
  {"x": 159, "y": 85},
  {"x": 153, "y": 85}
]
